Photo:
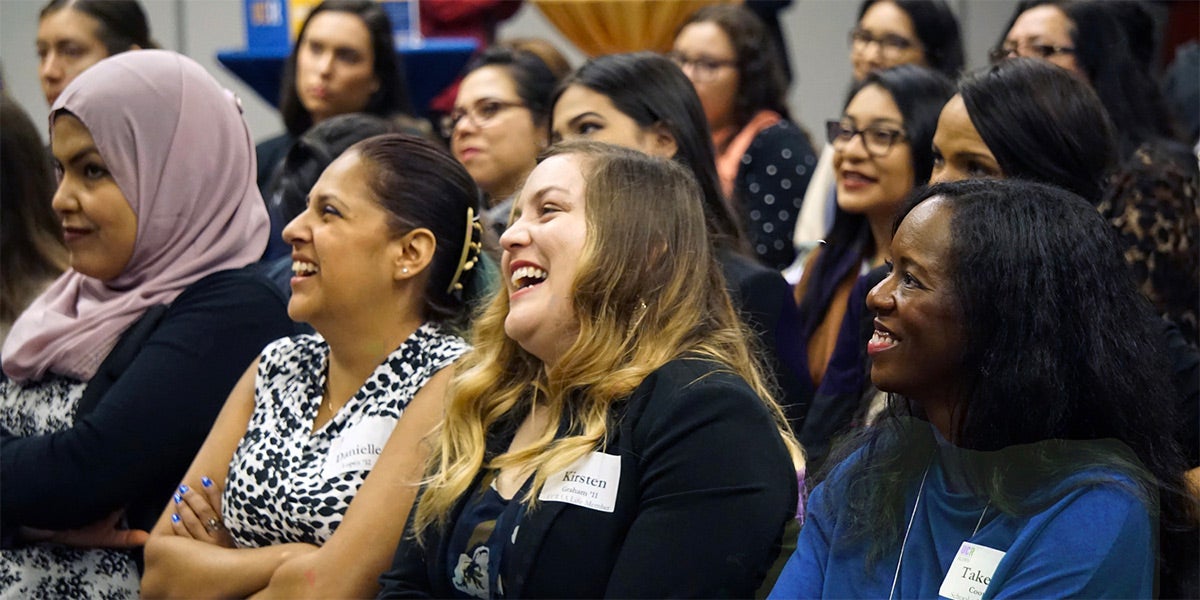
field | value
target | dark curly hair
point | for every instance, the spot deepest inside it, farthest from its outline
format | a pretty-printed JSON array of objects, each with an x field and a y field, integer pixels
[{"x": 762, "y": 84}]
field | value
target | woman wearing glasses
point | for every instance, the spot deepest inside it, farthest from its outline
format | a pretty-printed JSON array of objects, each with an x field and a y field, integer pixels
[
  {"x": 881, "y": 152},
  {"x": 500, "y": 123},
  {"x": 888, "y": 33},
  {"x": 764, "y": 161}
]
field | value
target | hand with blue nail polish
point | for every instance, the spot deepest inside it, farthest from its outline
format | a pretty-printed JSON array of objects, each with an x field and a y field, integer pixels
[{"x": 205, "y": 481}]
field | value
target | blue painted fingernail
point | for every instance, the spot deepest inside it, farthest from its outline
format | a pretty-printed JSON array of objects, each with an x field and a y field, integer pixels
[
  {"x": 205, "y": 481},
  {"x": 183, "y": 489},
  {"x": 174, "y": 517},
  {"x": 177, "y": 498}
]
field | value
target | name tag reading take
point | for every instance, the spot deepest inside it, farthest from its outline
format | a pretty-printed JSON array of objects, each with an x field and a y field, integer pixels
[
  {"x": 591, "y": 483},
  {"x": 971, "y": 572},
  {"x": 358, "y": 447}
]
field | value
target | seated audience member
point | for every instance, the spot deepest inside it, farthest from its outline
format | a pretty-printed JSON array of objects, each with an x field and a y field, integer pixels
[
  {"x": 887, "y": 33},
  {"x": 115, "y": 373},
  {"x": 287, "y": 193},
  {"x": 32, "y": 254},
  {"x": 586, "y": 448},
  {"x": 500, "y": 123},
  {"x": 73, "y": 35},
  {"x": 763, "y": 159},
  {"x": 643, "y": 101},
  {"x": 303, "y": 486},
  {"x": 881, "y": 152},
  {"x": 1026, "y": 119},
  {"x": 343, "y": 62},
  {"x": 1151, "y": 198},
  {"x": 1022, "y": 453}
]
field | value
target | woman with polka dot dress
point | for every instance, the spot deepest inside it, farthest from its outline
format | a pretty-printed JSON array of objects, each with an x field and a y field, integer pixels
[{"x": 763, "y": 159}]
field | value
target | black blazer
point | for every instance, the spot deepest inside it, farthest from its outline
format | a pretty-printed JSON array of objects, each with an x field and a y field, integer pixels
[{"x": 706, "y": 488}]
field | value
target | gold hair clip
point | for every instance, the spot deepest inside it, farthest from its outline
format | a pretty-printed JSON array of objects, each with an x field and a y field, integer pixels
[{"x": 466, "y": 262}]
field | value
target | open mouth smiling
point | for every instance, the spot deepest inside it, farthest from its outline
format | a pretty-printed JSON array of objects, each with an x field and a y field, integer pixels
[{"x": 526, "y": 277}]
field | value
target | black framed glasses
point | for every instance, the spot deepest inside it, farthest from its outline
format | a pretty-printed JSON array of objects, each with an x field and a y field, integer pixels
[
  {"x": 890, "y": 43},
  {"x": 704, "y": 68},
  {"x": 1042, "y": 51},
  {"x": 877, "y": 139},
  {"x": 481, "y": 114}
]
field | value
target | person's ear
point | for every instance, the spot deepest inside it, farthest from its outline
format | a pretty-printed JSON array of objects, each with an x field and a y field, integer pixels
[
  {"x": 662, "y": 141},
  {"x": 412, "y": 253}
]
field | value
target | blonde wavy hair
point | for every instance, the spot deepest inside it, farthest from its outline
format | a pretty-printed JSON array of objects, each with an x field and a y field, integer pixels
[{"x": 648, "y": 291}]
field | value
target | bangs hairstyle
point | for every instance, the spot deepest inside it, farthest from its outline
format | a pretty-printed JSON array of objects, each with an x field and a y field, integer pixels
[
  {"x": 648, "y": 291},
  {"x": 123, "y": 23},
  {"x": 420, "y": 185},
  {"x": 651, "y": 89},
  {"x": 937, "y": 30},
  {"x": 1042, "y": 124},
  {"x": 762, "y": 84},
  {"x": 392, "y": 96}
]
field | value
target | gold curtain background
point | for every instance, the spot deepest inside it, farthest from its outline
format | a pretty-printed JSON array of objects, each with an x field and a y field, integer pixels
[{"x": 599, "y": 27}]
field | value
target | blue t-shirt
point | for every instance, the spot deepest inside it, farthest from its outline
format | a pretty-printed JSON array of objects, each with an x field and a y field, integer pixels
[{"x": 1096, "y": 540}]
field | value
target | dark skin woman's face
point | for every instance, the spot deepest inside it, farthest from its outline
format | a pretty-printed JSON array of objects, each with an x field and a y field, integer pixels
[{"x": 919, "y": 338}]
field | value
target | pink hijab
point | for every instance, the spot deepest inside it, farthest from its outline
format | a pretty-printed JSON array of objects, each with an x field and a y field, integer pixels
[{"x": 177, "y": 146}]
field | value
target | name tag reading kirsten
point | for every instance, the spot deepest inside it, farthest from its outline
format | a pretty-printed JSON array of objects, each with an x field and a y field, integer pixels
[
  {"x": 358, "y": 447},
  {"x": 591, "y": 483},
  {"x": 971, "y": 572}
]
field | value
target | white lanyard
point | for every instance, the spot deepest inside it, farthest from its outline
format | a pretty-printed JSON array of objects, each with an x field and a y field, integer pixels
[{"x": 911, "y": 518}]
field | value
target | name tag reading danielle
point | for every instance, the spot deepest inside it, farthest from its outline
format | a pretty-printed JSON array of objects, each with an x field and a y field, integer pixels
[
  {"x": 971, "y": 572},
  {"x": 591, "y": 483},
  {"x": 358, "y": 447}
]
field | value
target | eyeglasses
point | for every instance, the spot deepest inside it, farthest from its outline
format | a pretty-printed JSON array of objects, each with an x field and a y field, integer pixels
[
  {"x": 889, "y": 43},
  {"x": 480, "y": 115},
  {"x": 1042, "y": 51},
  {"x": 876, "y": 139},
  {"x": 703, "y": 68}
]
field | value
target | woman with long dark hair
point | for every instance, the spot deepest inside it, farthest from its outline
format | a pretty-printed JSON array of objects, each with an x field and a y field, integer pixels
[
  {"x": 764, "y": 160},
  {"x": 1022, "y": 453},
  {"x": 344, "y": 61},
  {"x": 881, "y": 152},
  {"x": 886, "y": 34}
]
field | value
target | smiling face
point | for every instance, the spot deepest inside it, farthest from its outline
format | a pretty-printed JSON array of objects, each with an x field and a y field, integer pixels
[
  {"x": 872, "y": 185},
  {"x": 958, "y": 150},
  {"x": 500, "y": 152},
  {"x": 335, "y": 66},
  {"x": 343, "y": 249},
  {"x": 583, "y": 113},
  {"x": 67, "y": 44},
  {"x": 542, "y": 251},
  {"x": 917, "y": 348},
  {"x": 99, "y": 226},
  {"x": 895, "y": 44},
  {"x": 710, "y": 61}
]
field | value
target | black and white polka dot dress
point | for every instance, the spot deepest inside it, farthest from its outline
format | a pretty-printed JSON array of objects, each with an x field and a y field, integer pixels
[{"x": 288, "y": 483}]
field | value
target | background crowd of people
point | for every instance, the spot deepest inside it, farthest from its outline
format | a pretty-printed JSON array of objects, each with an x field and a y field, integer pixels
[{"x": 620, "y": 330}]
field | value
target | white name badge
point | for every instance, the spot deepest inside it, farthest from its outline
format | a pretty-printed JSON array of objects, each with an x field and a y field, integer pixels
[
  {"x": 971, "y": 572},
  {"x": 358, "y": 447},
  {"x": 591, "y": 483}
]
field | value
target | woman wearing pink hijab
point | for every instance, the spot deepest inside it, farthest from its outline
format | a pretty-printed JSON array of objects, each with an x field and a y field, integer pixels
[{"x": 114, "y": 375}]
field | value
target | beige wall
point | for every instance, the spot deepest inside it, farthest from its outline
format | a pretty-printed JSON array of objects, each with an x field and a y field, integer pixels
[{"x": 815, "y": 31}]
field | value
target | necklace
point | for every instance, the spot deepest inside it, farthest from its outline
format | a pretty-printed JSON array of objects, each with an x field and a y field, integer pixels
[{"x": 911, "y": 518}]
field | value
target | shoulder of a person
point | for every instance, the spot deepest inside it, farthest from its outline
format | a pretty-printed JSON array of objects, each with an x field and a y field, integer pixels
[
  {"x": 748, "y": 274},
  {"x": 784, "y": 135},
  {"x": 243, "y": 290},
  {"x": 680, "y": 383},
  {"x": 273, "y": 145}
]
